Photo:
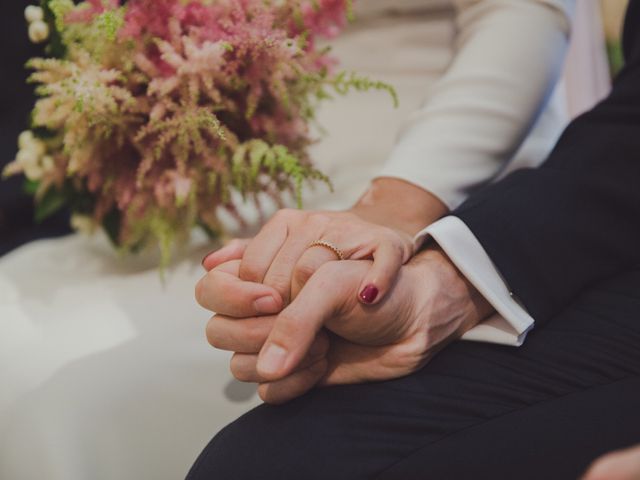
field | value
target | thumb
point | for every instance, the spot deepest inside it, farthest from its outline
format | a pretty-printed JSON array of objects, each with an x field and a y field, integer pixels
[{"x": 297, "y": 325}]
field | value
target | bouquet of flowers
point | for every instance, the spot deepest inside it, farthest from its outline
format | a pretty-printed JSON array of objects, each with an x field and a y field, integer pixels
[{"x": 152, "y": 112}]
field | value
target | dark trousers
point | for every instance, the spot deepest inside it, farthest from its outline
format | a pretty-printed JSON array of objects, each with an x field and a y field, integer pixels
[{"x": 476, "y": 411}]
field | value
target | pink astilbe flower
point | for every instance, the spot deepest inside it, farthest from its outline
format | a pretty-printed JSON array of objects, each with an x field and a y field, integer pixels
[
  {"x": 151, "y": 18},
  {"x": 159, "y": 109},
  {"x": 324, "y": 17},
  {"x": 90, "y": 9}
]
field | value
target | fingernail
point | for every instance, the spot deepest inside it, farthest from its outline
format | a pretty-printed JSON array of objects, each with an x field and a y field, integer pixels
[
  {"x": 369, "y": 293},
  {"x": 224, "y": 250},
  {"x": 207, "y": 256},
  {"x": 272, "y": 360},
  {"x": 266, "y": 304}
]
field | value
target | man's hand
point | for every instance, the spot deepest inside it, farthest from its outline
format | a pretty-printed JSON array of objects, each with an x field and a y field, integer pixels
[
  {"x": 325, "y": 336},
  {"x": 620, "y": 465}
]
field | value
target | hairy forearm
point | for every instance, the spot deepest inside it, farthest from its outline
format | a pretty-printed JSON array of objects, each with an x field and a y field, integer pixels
[{"x": 400, "y": 205}]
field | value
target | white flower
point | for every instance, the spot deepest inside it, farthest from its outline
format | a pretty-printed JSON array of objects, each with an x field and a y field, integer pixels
[
  {"x": 29, "y": 162},
  {"x": 25, "y": 139},
  {"x": 33, "y": 172},
  {"x": 27, "y": 158},
  {"x": 36, "y": 146},
  {"x": 32, "y": 161},
  {"x": 33, "y": 14},
  {"x": 38, "y": 31},
  {"x": 83, "y": 223},
  {"x": 47, "y": 163}
]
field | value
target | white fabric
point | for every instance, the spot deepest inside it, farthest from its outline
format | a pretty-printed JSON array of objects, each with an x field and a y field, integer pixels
[
  {"x": 481, "y": 108},
  {"x": 105, "y": 371},
  {"x": 509, "y": 326}
]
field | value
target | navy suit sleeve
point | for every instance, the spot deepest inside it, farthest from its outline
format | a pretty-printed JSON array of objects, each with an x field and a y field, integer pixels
[{"x": 554, "y": 231}]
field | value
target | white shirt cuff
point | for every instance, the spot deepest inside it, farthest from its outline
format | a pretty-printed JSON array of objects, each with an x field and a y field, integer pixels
[{"x": 509, "y": 326}]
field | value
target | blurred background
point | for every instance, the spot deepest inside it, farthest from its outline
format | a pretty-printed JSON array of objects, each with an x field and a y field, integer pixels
[{"x": 16, "y": 100}]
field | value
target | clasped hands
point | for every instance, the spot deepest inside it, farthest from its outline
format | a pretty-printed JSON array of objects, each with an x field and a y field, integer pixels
[{"x": 297, "y": 318}]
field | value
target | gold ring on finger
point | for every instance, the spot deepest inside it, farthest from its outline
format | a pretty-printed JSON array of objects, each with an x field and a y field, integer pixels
[{"x": 329, "y": 246}]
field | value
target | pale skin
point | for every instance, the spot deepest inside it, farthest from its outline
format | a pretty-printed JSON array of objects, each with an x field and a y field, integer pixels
[
  {"x": 380, "y": 227},
  {"x": 325, "y": 336},
  {"x": 288, "y": 338},
  {"x": 295, "y": 318},
  {"x": 619, "y": 465}
]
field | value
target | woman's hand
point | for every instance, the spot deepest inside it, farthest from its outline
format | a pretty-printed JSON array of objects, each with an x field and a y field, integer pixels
[
  {"x": 380, "y": 227},
  {"x": 283, "y": 255}
]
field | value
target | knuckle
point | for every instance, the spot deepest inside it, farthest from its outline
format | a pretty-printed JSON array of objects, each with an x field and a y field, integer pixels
[
  {"x": 214, "y": 336},
  {"x": 255, "y": 336},
  {"x": 202, "y": 290},
  {"x": 250, "y": 272},
  {"x": 266, "y": 394},
  {"x": 329, "y": 270},
  {"x": 302, "y": 273},
  {"x": 411, "y": 355},
  {"x": 236, "y": 243},
  {"x": 392, "y": 250},
  {"x": 281, "y": 282},
  {"x": 399, "y": 250},
  {"x": 241, "y": 376},
  {"x": 233, "y": 243},
  {"x": 198, "y": 292},
  {"x": 351, "y": 217},
  {"x": 287, "y": 215},
  {"x": 287, "y": 328},
  {"x": 319, "y": 220},
  {"x": 238, "y": 368}
]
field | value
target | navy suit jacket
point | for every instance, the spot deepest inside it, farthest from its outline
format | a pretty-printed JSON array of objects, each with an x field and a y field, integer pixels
[{"x": 554, "y": 231}]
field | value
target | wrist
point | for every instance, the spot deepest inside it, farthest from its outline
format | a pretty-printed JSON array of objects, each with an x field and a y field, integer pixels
[
  {"x": 400, "y": 205},
  {"x": 445, "y": 295}
]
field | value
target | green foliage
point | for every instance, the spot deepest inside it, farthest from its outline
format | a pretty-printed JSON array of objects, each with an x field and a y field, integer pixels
[
  {"x": 52, "y": 202},
  {"x": 59, "y": 9},
  {"x": 164, "y": 232},
  {"x": 110, "y": 22},
  {"x": 94, "y": 38},
  {"x": 180, "y": 135},
  {"x": 111, "y": 225},
  {"x": 30, "y": 187},
  {"x": 255, "y": 159},
  {"x": 350, "y": 13},
  {"x": 54, "y": 12},
  {"x": 616, "y": 57},
  {"x": 344, "y": 82}
]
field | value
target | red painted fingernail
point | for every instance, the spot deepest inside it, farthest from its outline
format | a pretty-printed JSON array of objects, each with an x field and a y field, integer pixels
[{"x": 369, "y": 293}]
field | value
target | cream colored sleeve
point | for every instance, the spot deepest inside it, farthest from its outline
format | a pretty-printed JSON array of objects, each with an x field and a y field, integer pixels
[{"x": 509, "y": 56}]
